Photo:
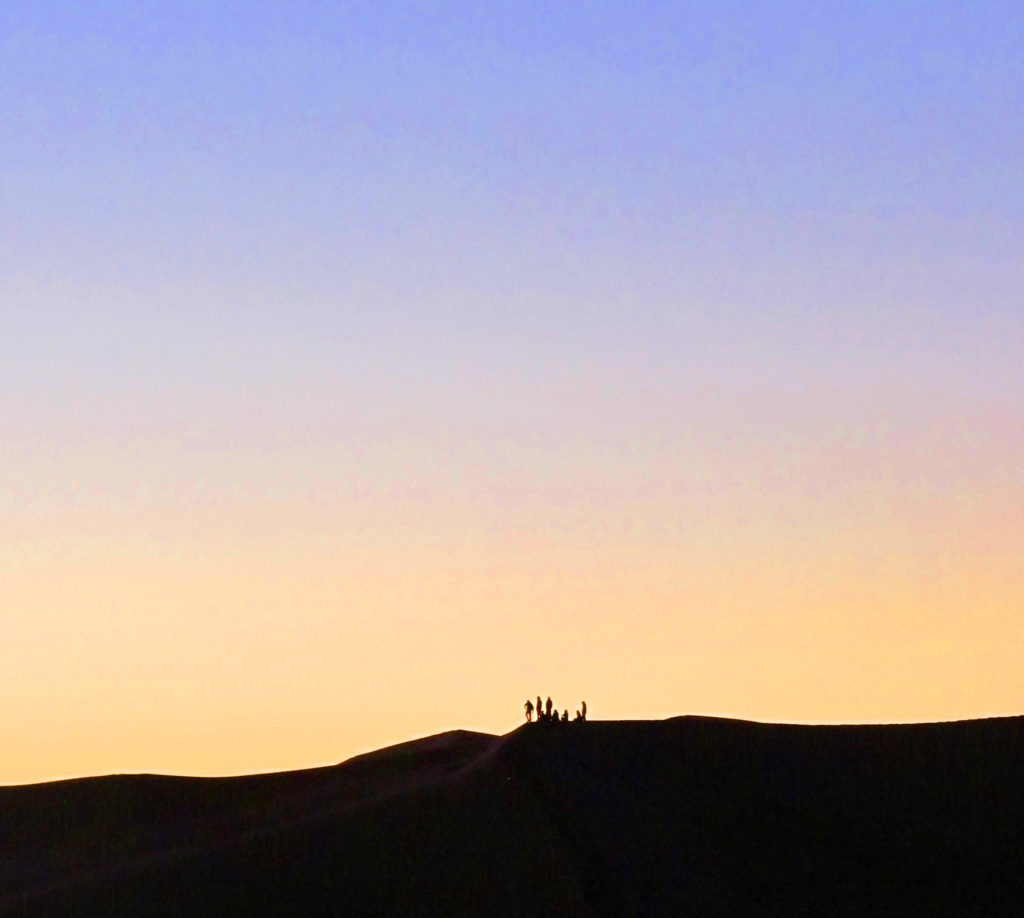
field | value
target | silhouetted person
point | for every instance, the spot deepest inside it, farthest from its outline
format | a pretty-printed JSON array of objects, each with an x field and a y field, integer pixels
[
  {"x": 578, "y": 716},
  {"x": 539, "y": 709},
  {"x": 547, "y": 706},
  {"x": 565, "y": 716},
  {"x": 583, "y": 711},
  {"x": 528, "y": 707}
]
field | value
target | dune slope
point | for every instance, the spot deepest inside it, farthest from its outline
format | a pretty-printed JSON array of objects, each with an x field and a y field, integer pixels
[{"x": 690, "y": 815}]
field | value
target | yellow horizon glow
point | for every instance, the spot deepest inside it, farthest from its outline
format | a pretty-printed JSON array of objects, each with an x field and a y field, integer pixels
[{"x": 269, "y": 634}]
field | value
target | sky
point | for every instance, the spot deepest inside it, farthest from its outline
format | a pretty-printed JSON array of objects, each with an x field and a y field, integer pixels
[{"x": 367, "y": 368}]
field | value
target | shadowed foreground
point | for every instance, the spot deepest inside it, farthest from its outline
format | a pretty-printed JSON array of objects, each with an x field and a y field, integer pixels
[{"x": 686, "y": 816}]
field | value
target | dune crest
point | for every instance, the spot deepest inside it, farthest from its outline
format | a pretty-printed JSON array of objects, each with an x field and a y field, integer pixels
[{"x": 600, "y": 818}]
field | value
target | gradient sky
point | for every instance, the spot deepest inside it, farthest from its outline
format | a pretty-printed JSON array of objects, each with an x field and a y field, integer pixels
[{"x": 366, "y": 368}]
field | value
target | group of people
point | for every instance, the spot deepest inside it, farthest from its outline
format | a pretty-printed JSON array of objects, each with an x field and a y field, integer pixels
[{"x": 546, "y": 715}]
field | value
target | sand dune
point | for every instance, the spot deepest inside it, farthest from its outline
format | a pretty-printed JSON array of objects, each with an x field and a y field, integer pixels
[{"x": 689, "y": 815}]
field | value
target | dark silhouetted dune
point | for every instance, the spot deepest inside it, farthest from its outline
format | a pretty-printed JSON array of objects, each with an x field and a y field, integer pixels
[{"x": 686, "y": 816}]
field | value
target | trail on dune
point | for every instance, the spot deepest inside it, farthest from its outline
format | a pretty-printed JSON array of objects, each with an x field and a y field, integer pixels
[{"x": 600, "y": 891}]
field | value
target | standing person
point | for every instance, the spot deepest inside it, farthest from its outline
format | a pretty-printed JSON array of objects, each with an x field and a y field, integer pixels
[
  {"x": 547, "y": 707},
  {"x": 540, "y": 709},
  {"x": 529, "y": 710},
  {"x": 583, "y": 710}
]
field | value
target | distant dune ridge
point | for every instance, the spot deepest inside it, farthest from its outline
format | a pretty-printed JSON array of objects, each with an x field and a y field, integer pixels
[{"x": 691, "y": 815}]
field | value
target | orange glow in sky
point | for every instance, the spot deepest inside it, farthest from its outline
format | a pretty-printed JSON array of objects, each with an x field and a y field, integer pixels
[{"x": 772, "y": 571}]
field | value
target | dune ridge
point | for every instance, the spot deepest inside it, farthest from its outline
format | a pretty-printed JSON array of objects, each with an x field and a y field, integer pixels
[{"x": 603, "y": 818}]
